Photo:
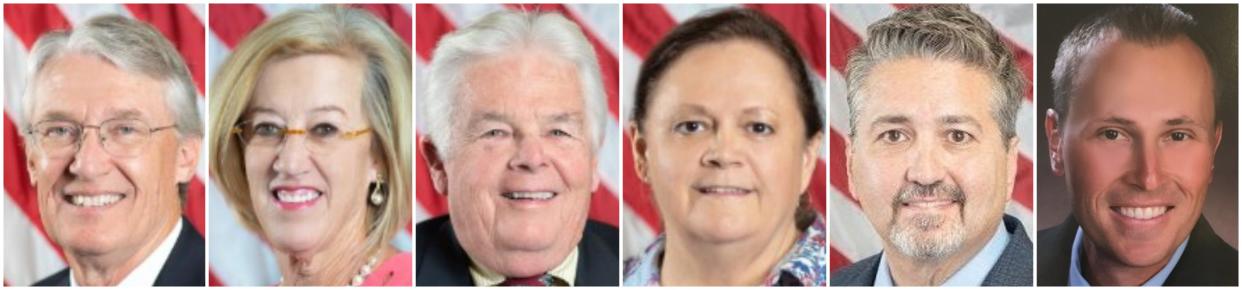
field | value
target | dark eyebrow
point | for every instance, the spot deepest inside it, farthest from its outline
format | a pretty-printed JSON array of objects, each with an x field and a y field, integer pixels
[
  {"x": 1183, "y": 120},
  {"x": 959, "y": 119},
  {"x": 1119, "y": 121},
  {"x": 890, "y": 119}
]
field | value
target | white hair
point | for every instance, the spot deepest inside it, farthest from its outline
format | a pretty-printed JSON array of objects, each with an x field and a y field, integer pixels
[
  {"x": 128, "y": 44},
  {"x": 495, "y": 34}
]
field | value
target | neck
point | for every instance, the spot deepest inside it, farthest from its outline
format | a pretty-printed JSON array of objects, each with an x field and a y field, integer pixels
[
  {"x": 109, "y": 269},
  {"x": 922, "y": 271},
  {"x": 688, "y": 261},
  {"x": 1102, "y": 269},
  {"x": 334, "y": 264}
]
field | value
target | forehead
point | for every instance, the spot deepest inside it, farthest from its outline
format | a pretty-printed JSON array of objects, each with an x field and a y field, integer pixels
[
  {"x": 86, "y": 87},
  {"x": 744, "y": 72},
  {"x": 925, "y": 88},
  {"x": 1172, "y": 78},
  {"x": 301, "y": 83},
  {"x": 526, "y": 79}
]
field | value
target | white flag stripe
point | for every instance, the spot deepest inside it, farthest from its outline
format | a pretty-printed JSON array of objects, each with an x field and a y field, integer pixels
[{"x": 851, "y": 234}]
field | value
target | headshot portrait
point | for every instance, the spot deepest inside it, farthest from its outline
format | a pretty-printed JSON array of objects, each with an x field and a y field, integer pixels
[
  {"x": 724, "y": 130},
  {"x": 518, "y": 145},
  {"x": 1137, "y": 127},
  {"x": 930, "y": 145},
  {"x": 104, "y": 145},
  {"x": 311, "y": 148}
]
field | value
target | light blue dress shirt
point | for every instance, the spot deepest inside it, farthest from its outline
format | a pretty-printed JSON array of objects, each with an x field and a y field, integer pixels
[
  {"x": 1075, "y": 271},
  {"x": 971, "y": 274}
]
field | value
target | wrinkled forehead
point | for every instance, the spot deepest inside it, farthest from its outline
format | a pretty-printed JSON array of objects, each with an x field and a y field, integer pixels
[
  {"x": 526, "y": 80},
  {"x": 84, "y": 87}
]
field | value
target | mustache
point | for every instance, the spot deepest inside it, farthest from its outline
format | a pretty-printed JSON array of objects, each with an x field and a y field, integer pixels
[{"x": 937, "y": 190}]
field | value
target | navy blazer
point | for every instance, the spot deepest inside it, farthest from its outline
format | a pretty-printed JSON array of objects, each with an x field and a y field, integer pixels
[
  {"x": 1207, "y": 261},
  {"x": 440, "y": 260},
  {"x": 1013, "y": 269},
  {"x": 185, "y": 265}
]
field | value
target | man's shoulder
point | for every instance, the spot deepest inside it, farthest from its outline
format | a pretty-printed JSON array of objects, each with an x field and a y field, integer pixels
[
  {"x": 185, "y": 264},
  {"x": 861, "y": 273},
  {"x": 439, "y": 260},
  {"x": 60, "y": 278},
  {"x": 1014, "y": 267},
  {"x": 1054, "y": 253},
  {"x": 1207, "y": 261},
  {"x": 605, "y": 234}
]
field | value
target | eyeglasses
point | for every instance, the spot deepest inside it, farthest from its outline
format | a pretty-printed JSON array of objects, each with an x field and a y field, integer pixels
[
  {"x": 321, "y": 137},
  {"x": 119, "y": 137}
]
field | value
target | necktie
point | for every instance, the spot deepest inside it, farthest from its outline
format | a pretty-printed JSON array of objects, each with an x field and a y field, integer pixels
[{"x": 537, "y": 280}]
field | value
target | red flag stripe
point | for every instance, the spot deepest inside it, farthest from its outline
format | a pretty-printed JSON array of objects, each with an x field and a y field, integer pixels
[
  {"x": 843, "y": 41},
  {"x": 231, "y": 22},
  {"x": 806, "y": 25},
  {"x": 432, "y": 25},
  {"x": 29, "y": 21},
  {"x": 644, "y": 26},
  {"x": 183, "y": 29}
]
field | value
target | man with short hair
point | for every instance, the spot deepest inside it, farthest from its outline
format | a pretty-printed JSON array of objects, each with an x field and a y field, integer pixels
[
  {"x": 1134, "y": 130},
  {"x": 113, "y": 135},
  {"x": 515, "y": 112},
  {"x": 932, "y": 153}
]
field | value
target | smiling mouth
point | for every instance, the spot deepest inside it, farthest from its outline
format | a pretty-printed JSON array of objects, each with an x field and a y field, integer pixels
[
  {"x": 723, "y": 190},
  {"x": 530, "y": 195},
  {"x": 90, "y": 201},
  {"x": 1142, "y": 213}
]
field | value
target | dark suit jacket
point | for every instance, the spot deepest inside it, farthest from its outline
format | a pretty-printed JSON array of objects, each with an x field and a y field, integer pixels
[
  {"x": 1013, "y": 268},
  {"x": 1207, "y": 261},
  {"x": 442, "y": 262},
  {"x": 184, "y": 267}
]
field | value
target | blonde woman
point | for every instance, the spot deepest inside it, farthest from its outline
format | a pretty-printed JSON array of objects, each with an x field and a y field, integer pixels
[{"x": 310, "y": 146}]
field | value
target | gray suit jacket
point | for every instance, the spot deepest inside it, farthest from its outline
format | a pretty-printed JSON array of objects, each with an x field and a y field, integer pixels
[{"x": 1013, "y": 268}]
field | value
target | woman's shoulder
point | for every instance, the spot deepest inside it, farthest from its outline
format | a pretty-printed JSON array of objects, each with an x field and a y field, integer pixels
[{"x": 644, "y": 269}]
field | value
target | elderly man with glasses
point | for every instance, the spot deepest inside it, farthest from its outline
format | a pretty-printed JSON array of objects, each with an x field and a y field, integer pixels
[{"x": 113, "y": 135}]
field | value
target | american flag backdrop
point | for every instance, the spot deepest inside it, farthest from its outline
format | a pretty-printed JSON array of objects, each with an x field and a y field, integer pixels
[
  {"x": 599, "y": 24},
  {"x": 645, "y": 25},
  {"x": 852, "y": 237},
  {"x": 238, "y": 257},
  {"x": 30, "y": 255}
]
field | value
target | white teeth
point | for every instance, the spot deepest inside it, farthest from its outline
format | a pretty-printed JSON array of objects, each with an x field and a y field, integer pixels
[
  {"x": 94, "y": 200},
  {"x": 297, "y": 196},
  {"x": 536, "y": 195},
  {"x": 723, "y": 189},
  {"x": 1142, "y": 213}
]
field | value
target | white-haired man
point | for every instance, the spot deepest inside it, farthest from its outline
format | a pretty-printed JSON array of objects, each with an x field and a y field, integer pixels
[
  {"x": 113, "y": 136},
  {"x": 515, "y": 111}
]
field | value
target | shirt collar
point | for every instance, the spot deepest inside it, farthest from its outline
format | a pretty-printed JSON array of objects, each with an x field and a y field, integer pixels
[
  {"x": 566, "y": 271},
  {"x": 973, "y": 273},
  {"x": 1075, "y": 270},
  {"x": 807, "y": 261},
  {"x": 145, "y": 274}
]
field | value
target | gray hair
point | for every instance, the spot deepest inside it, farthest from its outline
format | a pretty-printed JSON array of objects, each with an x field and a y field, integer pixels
[
  {"x": 495, "y": 34},
  {"x": 942, "y": 32},
  {"x": 1145, "y": 24},
  {"x": 130, "y": 45}
]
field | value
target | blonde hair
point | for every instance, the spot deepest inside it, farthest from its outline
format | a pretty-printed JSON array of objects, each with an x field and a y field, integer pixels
[{"x": 386, "y": 97}]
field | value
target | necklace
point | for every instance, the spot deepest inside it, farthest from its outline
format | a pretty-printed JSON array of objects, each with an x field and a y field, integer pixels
[{"x": 357, "y": 280}]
